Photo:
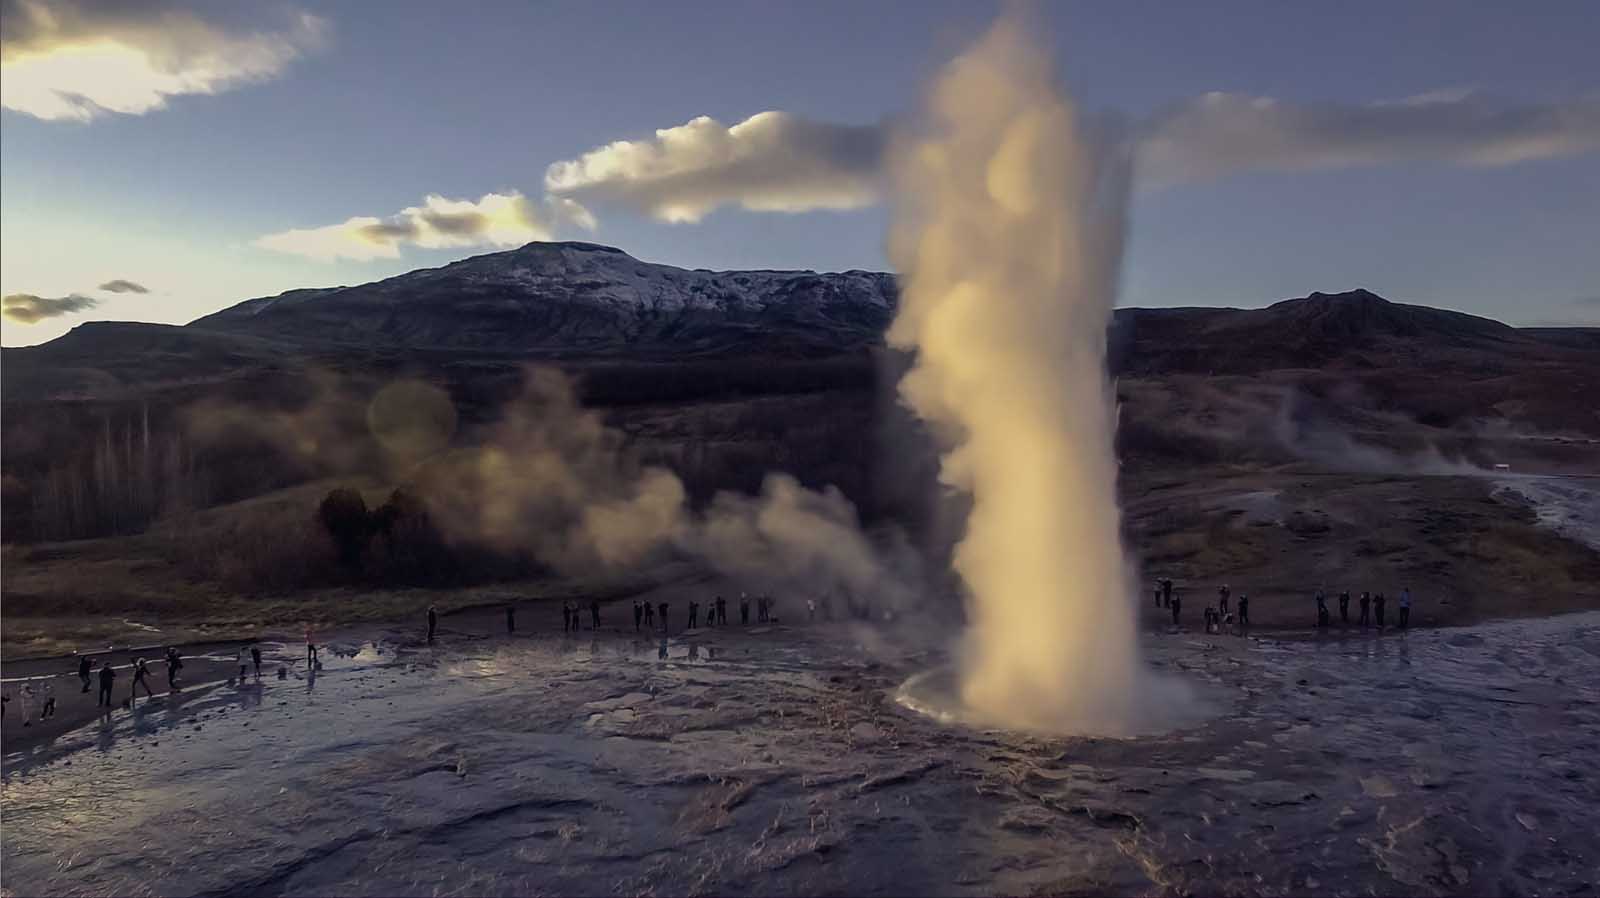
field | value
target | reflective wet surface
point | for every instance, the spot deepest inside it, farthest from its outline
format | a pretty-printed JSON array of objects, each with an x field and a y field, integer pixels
[{"x": 777, "y": 761}]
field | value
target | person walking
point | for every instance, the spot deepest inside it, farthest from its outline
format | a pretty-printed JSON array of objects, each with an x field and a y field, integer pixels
[
  {"x": 1157, "y": 592},
  {"x": 722, "y": 611},
  {"x": 84, "y": 667},
  {"x": 594, "y": 613},
  {"x": 108, "y": 679},
  {"x": 141, "y": 674},
  {"x": 1344, "y": 606},
  {"x": 49, "y": 693},
  {"x": 1377, "y": 609},
  {"x": 243, "y": 657},
  {"x": 511, "y": 619},
  {"x": 311, "y": 649},
  {"x": 1322, "y": 609},
  {"x": 433, "y": 623},
  {"x": 255, "y": 656},
  {"x": 1166, "y": 592},
  {"x": 1366, "y": 608},
  {"x": 1405, "y": 607}
]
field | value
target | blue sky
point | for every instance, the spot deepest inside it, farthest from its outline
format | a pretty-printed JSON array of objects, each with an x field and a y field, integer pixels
[{"x": 314, "y": 115}]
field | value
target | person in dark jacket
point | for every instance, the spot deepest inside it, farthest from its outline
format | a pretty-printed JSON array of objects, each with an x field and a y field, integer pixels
[
  {"x": 433, "y": 623},
  {"x": 108, "y": 679},
  {"x": 638, "y": 615},
  {"x": 662, "y": 610},
  {"x": 84, "y": 668},
  {"x": 1344, "y": 606},
  {"x": 1377, "y": 609},
  {"x": 511, "y": 620},
  {"x": 594, "y": 612},
  {"x": 1366, "y": 608}
]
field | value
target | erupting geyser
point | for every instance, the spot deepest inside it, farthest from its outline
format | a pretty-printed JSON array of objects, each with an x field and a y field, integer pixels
[{"x": 1008, "y": 236}]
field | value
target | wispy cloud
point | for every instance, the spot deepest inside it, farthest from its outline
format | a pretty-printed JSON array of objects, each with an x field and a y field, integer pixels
[
  {"x": 779, "y": 162},
  {"x": 123, "y": 286},
  {"x": 26, "y": 308},
  {"x": 1220, "y": 134},
  {"x": 770, "y": 162},
  {"x": 77, "y": 59},
  {"x": 498, "y": 219}
]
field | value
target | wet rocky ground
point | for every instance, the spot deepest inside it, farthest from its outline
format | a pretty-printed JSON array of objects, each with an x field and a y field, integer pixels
[{"x": 775, "y": 760}]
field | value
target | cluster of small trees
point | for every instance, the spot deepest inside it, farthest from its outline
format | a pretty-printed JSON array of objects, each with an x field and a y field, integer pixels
[{"x": 395, "y": 543}]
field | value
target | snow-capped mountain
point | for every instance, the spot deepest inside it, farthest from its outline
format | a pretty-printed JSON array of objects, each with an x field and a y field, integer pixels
[{"x": 581, "y": 298}]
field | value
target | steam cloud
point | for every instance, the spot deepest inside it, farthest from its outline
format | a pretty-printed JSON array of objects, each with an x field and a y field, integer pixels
[
  {"x": 79, "y": 60},
  {"x": 549, "y": 480},
  {"x": 26, "y": 308},
  {"x": 498, "y": 219},
  {"x": 1008, "y": 235}
]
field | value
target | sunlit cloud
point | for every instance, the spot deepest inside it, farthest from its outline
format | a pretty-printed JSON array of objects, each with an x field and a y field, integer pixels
[
  {"x": 26, "y": 308},
  {"x": 770, "y": 162},
  {"x": 498, "y": 219},
  {"x": 121, "y": 285},
  {"x": 78, "y": 60},
  {"x": 1220, "y": 134}
]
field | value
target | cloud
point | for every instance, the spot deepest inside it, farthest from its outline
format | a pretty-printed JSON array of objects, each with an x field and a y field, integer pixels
[
  {"x": 123, "y": 286},
  {"x": 25, "y": 308},
  {"x": 770, "y": 162},
  {"x": 498, "y": 219},
  {"x": 78, "y": 59},
  {"x": 1220, "y": 134}
]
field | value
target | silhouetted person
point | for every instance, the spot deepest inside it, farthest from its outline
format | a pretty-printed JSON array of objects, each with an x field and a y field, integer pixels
[
  {"x": 1157, "y": 592},
  {"x": 244, "y": 665},
  {"x": 311, "y": 649},
  {"x": 722, "y": 610},
  {"x": 662, "y": 610},
  {"x": 49, "y": 701},
  {"x": 1405, "y": 608},
  {"x": 649, "y": 615},
  {"x": 1244, "y": 611},
  {"x": 1322, "y": 609},
  {"x": 255, "y": 655},
  {"x": 1377, "y": 609},
  {"x": 638, "y": 615},
  {"x": 174, "y": 664},
  {"x": 141, "y": 674},
  {"x": 1222, "y": 600},
  {"x": 511, "y": 620},
  {"x": 566, "y": 617},
  {"x": 1176, "y": 604},
  {"x": 694, "y": 615},
  {"x": 108, "y": 679},
  {"x": 84, "y": 667},
  {"x": 1344, "y": 607},
  {"x": 744, "y": 609},
  {"x": 1366, "y": 608},
  {"x": 433, "y": 623},
  {"x": 594, "y": 612},
  {"x": 811, "y": 609},
  {"x": 1166, "y": 592}
]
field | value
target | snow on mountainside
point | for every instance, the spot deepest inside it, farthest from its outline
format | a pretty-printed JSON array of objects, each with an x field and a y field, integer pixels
[{"x": 581, "y": 297}]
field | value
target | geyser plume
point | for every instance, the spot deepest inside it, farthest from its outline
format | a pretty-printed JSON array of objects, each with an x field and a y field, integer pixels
[{"x": 1008, "y": 236}]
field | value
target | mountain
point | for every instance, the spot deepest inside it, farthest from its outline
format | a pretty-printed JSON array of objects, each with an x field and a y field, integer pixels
[{"x": 581, "y": 299}]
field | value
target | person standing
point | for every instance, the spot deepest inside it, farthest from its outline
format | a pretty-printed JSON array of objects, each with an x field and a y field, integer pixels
[
  {"x": 566, "y": 616},
  {"x": 1176, "y": 604},
  {"x": 594, "y": 613},
  {"x": 1405, "y": 607},
  {"x": 511, "y": 619},
  {"x": 649, "y": 616},
  {"x": 1344, "y": 606},
  {"x": 1244, "y": 611},
  {"x": 433, "y": 622},
  {"x": 1157, "y": 591},
  {"x": 174, "y": 664},
  {"x": 694, "y": 615},
  {"x": 84, "y": 667},
  {"x": 311, "y": 649},
  {"x": 1322, "y": 609},
  {"x": 1166, "y": 592},
  {"x": 1366, "y": 607},
  {"x": 744, "y": 608},
  {"x": 243, "y": 657},
  {"x": 638, "y": 615},
  {"x": 1222, "y": 600},
  {"x": 722, "y": 611},
  {"x": 49, "y": 693},
  {"x": 811, "y": 610},
  {"x": 255, "y": 656},
  {"x": 1377, "y": 609},
  {"x": 108, "y": 679},
  {"x": 662, "y": 609}
]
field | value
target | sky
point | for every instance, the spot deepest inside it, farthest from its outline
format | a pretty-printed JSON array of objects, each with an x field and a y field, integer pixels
[{"x": 162, "y": 160}]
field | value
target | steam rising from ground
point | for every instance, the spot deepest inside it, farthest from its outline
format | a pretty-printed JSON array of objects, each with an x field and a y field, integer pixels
[{"x": 1009, "y": 237}]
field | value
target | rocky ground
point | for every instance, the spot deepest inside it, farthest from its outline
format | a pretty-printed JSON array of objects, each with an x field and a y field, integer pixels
[{"x": 776, "y": 760}]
